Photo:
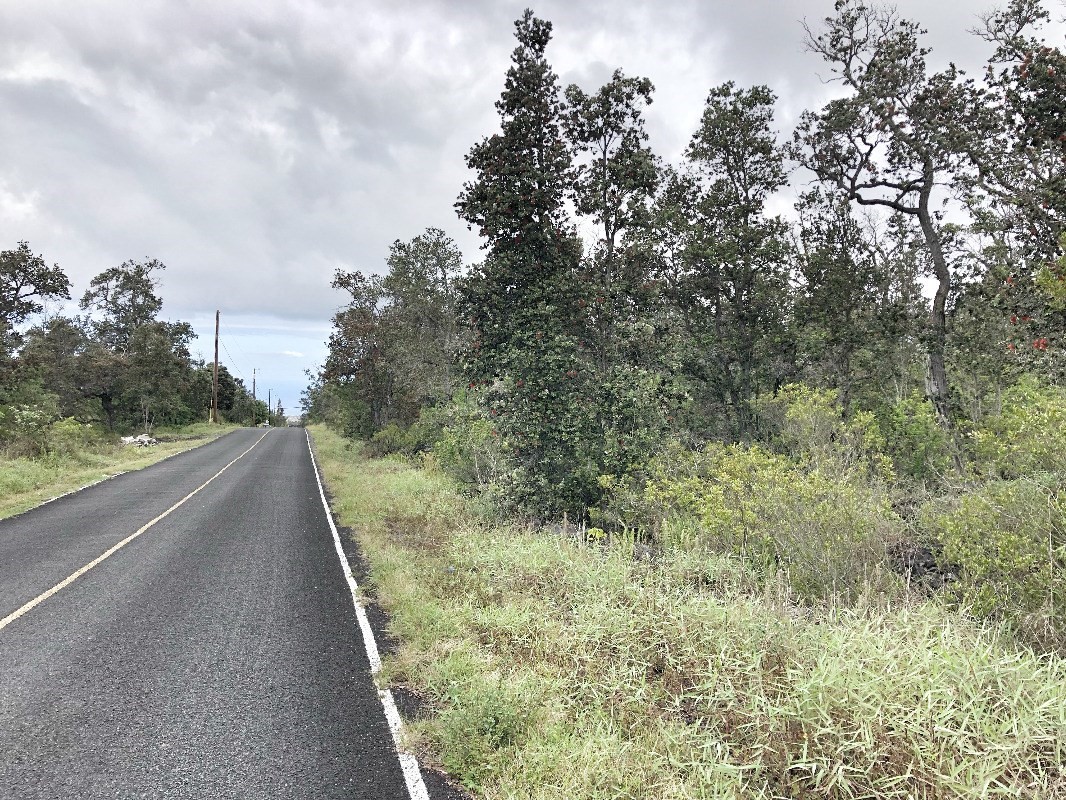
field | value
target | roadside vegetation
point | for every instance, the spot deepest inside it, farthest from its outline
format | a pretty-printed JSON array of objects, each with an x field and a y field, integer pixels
[
  {"x": 571, "y": 663},
  {"x": 71, "y": 386},
  {"x": 712, "y": 501},
  {"x": 77, "y": 455}
]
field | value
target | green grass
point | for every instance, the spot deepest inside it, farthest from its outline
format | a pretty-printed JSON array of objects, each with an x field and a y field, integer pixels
[
  {"x": 559, "y": 668},
  {"x": 26, "y": 483}
]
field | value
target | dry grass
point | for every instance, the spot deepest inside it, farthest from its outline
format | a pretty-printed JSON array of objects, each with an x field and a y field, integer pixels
[{"x": 560, "y": 668}]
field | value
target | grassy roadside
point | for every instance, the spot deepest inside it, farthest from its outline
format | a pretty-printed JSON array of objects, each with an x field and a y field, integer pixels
[
  {"x": 561, "y": 668},
  {"x": 26, "y": 483}
]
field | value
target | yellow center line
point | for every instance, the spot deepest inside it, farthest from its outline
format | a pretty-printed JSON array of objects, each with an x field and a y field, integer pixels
[{"x": 14, "y": 615}]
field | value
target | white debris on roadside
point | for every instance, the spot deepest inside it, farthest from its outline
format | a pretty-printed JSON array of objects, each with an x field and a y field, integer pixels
[{"x": 144, "y": 440}]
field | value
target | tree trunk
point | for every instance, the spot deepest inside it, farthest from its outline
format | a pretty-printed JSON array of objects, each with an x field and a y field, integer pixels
[{"x": 937, "y": 386}]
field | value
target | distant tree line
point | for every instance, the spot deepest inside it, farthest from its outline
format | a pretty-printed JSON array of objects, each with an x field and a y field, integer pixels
[{"x": 117, "y": 366}]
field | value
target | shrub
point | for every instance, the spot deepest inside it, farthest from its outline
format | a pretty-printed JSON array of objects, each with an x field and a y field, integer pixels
[
  {"x": 1027, "y": 436},
  {"x": 827, "y": 535},
  {"x": 919, "y": 447},
  {"x": 810, "y": 425},
  {"x": 468, "y": 446},
  {"x": 70, "y": 438},
  {"x": 1009, "y": 540},
  {"x": 24, "y": 428},
  {"x": 395, "y": 438}
]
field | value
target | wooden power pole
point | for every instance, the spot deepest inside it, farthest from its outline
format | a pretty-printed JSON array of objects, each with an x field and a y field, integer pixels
[
  {"x": 253, "y": 397},
  {"x": 214, "y": 382}
]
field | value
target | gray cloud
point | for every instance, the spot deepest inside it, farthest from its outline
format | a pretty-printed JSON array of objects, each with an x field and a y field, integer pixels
[{"x": 255, "y": 146}]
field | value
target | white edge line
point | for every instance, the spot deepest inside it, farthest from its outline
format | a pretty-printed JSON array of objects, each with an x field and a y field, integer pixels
[{"x": 416, "y": 787}]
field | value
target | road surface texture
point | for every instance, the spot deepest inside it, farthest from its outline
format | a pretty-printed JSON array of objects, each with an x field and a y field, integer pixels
[{"x": 216, "y": 655}]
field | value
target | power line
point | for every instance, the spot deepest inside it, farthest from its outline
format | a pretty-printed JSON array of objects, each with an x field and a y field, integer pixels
[{"x": 232, "y": 361}]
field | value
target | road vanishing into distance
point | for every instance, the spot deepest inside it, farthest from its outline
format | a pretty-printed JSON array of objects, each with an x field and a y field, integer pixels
[{"x": 216, "y": 654}]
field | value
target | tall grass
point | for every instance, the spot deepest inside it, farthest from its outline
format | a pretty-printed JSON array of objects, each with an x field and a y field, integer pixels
[{"x": 564, "y": 668}]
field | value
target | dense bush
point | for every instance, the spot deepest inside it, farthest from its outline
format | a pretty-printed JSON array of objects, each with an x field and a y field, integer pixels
[
  {"x": 1027, "y": 436},
  {"x": 467, "y": 446},
  {"x": 810, "y": 425},
  {"x": 919, "y": 447},
  {"x": 34, "y": 431},
  {"x": 1008, "y": 537},
  {"x": 826, "y": 535}
]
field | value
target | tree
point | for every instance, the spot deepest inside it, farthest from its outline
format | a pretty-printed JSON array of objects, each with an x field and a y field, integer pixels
[
  {"x": 733, "y": 287},
  {"x": 838, "y": 275},
  {"x": 521, "y": 303},
  {"x": 54, "y": 353},
  {"x": 1017, "y": 187},
  {"x": 618, "y": 174},
  {"x": 394, "y": 344},
  {"x": 157, "y": 366},
  {"x": 517, "y": 204},
  {"x": 123, "y": 298},
  {"x": 26, "y": 280},
  {"x": 420, "y": 299},
  {"x": 356, "y": 359},
  {"x": 892, "y": 142},
  {"x": 614, "y": 179},
  {"x": 136, "y": 365},
  {"x": 1020, "y": 156}
]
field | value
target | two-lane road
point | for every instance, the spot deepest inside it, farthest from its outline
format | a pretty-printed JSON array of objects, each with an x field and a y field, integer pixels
[{"x": 215, "y": 655}]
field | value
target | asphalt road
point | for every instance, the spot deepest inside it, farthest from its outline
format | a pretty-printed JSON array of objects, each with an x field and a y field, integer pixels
[{"x": 217, "y": 655}]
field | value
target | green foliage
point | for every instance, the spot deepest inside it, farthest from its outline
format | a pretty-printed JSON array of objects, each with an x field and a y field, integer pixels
[
  {"x": 917, "y": 444},
  {"x": 827, "y": 536},
  {"x": 1027, "y": 436},
  {"x": 408, "y": 440},
  {"x": 25, "y": 280},
  {"x": 24, "y": 428},
  {"x": 1052, "y": 279},
  {"x": 809, "y": 425},
  {"x": 392, "y": 346},
  {"x": 561, "y": 668},
  {"x": 895, "y": 135},
  {"x": 123, "y": 299},
  {"x": 1009, "y": 540},
  {"x": 468, "y": 446},
  {"x": 732, "y": 287}
]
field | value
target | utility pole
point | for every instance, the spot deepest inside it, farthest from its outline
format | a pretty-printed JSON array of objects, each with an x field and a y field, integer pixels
[
  {"x": 270, "y": 410},
  {"x": 253, "y": 397},
  {"x": 214, "y": 382}
]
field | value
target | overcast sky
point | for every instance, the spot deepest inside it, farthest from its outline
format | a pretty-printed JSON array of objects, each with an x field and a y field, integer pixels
[{"x": 254, "y": 146}]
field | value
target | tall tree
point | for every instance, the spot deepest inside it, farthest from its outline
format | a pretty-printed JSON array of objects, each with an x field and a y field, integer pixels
[
  {"x": 26, "y": 280},
  {"x": 517, "y": 203},
  {"x": 1020, "y": 156},
  {"x": 838, "y": 275},
  {"x": 357, "y": 362},
  {"x": 54, "y": 353},
  {"x": 892, "y": 142},
  {"x": 1017, "y": 188},
  {"x": 522, "y": 301},
  {"x": 734, "y": 285},
  {"x": 422, "y": 330},
  {"x": 137, "y": 366},
  {"x": 614, "y": 180}
]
